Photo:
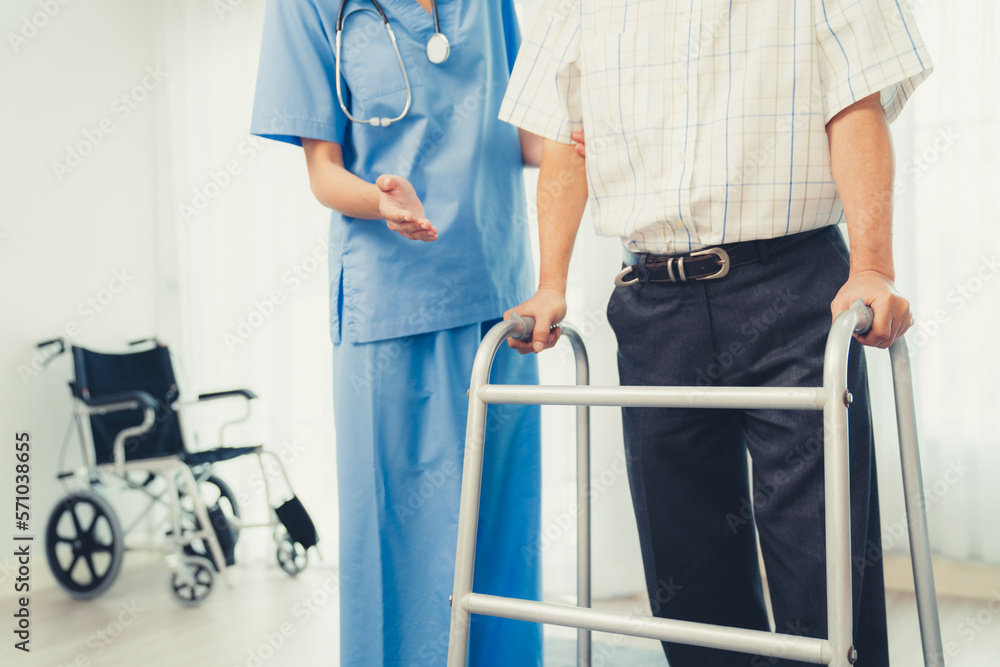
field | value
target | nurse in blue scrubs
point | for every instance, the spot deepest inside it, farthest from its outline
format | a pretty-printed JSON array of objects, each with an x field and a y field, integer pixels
[{"x": 428, "y": 248}]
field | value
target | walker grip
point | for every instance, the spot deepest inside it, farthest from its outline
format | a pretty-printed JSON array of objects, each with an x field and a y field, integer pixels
[
  {"x": 527, "y": 327},
  {"x": 864, "y": 323}
]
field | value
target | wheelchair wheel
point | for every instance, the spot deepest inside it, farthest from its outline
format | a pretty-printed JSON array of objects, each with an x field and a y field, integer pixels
[
  {"x": 191, "y": 583},
  {"x": 214, "y": 491},
  {"x": 292, "y": 556},
  {"x": 84, "y": 544}
]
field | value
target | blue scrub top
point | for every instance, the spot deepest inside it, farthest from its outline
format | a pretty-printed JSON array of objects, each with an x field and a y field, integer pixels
[{"x": 464, "y": 163}]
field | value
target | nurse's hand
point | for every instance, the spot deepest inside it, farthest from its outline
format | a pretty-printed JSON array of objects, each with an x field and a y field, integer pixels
[
  {"x": 399, "y": 205},
  {"x": 579, "y": 144},
  {"x": 548, "y": 307}
]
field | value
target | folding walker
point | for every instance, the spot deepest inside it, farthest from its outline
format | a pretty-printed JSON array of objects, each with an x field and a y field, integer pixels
[{"x": 833, "y": 398}]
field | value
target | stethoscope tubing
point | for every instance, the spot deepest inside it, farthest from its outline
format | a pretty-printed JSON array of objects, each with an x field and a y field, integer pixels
[{"x": 384, "y": 121}]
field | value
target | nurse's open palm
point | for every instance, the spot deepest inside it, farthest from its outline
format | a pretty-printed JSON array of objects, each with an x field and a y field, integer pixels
[{"x": 399, "y": 205}]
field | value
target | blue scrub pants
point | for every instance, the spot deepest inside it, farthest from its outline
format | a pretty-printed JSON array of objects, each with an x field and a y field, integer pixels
[{"x": 400, "y": 409}]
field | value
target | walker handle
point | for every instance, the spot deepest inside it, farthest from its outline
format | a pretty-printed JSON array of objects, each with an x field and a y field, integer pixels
[
  {"x": 528, "y": 327},
  {"x": 867, "y": 320}
]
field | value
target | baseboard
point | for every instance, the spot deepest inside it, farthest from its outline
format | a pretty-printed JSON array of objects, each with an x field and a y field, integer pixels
[{"x": 977, "y": 581}]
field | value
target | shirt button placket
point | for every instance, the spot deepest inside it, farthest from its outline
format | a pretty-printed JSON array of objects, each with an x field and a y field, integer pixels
[{"x": 687, "y": 87}]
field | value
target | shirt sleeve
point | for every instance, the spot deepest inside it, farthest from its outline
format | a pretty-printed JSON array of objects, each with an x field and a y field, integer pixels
[
  {"x": 295, "y": 96},
  {"x": 867, "y": 47},
  {"x": 543, "y": 95}
]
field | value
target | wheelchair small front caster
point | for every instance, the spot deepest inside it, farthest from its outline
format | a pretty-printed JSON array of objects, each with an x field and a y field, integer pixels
[
  {"x": 192, "y": 580},
  {"x": 292, "y": 556}
]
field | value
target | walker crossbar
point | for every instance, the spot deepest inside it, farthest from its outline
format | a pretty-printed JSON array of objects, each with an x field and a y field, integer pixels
[
  {"x": 745, "y": 398},
  {"x": 833, "y": 398}
]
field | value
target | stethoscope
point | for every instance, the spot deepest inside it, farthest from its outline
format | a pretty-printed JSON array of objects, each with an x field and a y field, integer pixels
[{"x": 438, "y": 49}]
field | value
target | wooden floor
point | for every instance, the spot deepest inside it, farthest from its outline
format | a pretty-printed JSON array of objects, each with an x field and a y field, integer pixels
[{"x": 269, "y": 618}]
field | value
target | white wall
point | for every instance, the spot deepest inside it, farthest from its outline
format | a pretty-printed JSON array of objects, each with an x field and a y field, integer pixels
[{"x": 66, "y": 234}]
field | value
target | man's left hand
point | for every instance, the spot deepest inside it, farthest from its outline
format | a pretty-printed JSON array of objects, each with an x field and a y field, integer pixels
[{"x": 892, "y": 311}]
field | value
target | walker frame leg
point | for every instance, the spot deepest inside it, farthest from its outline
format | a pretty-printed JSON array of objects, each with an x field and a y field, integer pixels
[{"x": 913, "y": 490}]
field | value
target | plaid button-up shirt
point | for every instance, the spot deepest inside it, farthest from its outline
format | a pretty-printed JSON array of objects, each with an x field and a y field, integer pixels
[{"x": 705, "y": 120}]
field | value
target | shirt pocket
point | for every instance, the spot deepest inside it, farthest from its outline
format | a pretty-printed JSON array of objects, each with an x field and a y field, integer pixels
[
  {"x": 615, "y": 85},
  {"x": 369, "y": 67}
]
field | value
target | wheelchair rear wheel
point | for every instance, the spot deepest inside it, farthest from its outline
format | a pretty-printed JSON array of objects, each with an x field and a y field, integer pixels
[
  {"x": 84, "y": 544},
  {"x": 214, "y": 491}
]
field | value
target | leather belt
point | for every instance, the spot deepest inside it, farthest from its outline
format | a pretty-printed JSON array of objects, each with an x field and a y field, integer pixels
[{"x": 706, "y": 264}]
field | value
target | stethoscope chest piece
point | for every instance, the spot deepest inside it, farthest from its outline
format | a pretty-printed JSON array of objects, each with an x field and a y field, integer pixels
[{"x": 438, "y": 48}]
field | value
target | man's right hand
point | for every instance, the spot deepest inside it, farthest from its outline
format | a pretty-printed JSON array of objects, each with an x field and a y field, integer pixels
[
  {"x": 548, "y": 307},
  {"x": 399, "y": 205}
]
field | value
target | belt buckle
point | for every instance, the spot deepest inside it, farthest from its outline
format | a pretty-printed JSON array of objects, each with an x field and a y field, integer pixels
[
  {"x": 723, "y": 262},
  {"x": 620, "y": 278}
]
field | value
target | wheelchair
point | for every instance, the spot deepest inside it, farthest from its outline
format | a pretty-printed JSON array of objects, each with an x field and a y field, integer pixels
[{"x": 134, "y": 442}]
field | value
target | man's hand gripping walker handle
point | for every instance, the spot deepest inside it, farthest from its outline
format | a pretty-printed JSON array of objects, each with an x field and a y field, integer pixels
[{"x": 865, "y": 324}]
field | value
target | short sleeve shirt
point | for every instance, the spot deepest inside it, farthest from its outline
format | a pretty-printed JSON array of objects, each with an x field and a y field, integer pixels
[{"x": 705, "y": 120}]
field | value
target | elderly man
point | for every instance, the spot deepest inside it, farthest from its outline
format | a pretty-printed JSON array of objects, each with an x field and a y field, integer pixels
[{"x": 725, "y": 142}]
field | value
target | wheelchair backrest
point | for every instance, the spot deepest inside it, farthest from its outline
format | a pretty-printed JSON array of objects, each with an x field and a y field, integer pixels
[{"x": 99, "y": 374}]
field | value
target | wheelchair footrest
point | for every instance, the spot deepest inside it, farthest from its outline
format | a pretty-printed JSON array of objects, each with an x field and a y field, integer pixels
[{"x": 297, "y": 522}]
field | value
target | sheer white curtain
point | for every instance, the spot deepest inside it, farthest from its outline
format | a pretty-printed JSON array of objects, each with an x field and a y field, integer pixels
[
  {"x": 245, "y": 259},
  {"x": 947, "y": 247},
  {"x": 244, "y": 248}
]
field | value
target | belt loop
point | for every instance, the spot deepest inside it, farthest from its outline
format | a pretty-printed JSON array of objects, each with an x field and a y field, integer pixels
[
  {"x": 764, "y": 248},
  {"x": 640, "y": 270}
]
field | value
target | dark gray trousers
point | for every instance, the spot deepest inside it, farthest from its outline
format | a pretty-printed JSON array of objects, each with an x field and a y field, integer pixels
[{"x": 764, "y": 325}]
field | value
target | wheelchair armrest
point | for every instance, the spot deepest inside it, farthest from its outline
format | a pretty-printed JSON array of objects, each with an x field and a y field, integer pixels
[
  {"x": 121, "y": 401},
  {"x": 125, "y": 400},
  {"x": 245, "y": 393}
]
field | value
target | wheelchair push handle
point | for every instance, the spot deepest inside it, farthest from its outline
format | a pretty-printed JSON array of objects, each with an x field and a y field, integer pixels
[{"x": 59, "y": 346}]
